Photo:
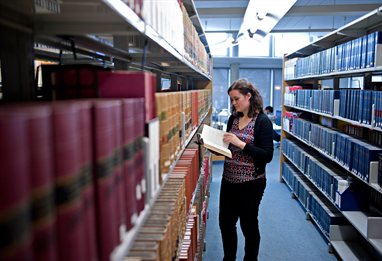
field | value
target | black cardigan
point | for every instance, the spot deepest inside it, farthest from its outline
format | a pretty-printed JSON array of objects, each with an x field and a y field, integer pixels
[{"x": 262, "y": 148}]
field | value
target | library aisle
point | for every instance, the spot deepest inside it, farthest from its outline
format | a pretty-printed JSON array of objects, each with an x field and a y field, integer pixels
[{"x": 286, "y": 235}]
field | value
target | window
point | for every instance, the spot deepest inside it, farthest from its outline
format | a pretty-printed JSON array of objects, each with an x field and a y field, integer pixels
[
  {"x": 251, "y": 48},
  {"x": 219, "y": 43},
  {"x": 290, "y": 42},
  {"x": 220, "y": 99},
  {"x": 261, "y": 78}
]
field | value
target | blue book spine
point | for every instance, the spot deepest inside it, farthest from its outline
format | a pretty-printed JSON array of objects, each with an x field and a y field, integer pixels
[
  {"x": 361, "y": 106},
  {"x": 364, "y": 51}
]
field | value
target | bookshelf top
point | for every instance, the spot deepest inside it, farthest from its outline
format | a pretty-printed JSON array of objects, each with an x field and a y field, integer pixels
[
  {"x": 366, "y": 24},
  {"x": 104, "y": 18}
]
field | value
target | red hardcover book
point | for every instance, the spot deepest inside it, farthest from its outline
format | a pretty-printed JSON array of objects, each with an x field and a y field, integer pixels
[
  {"x": 106, "y": 204},
  {"x": 119, "y": 178},
  {"x": 67, "y": 159},
  {"x": 123, "y": 84},
  {"x": 128, "y": 156},
  {"x": 15, "y": 227},
  {"x": 40, "y": 137},
  {"x": 87, "y": 183},
  {"x": 189, "y": 164},
  {"x": 139, "y": 154}
]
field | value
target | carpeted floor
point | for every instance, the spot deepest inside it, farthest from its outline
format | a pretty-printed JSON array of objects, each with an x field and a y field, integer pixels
[{"x": 286, "y": 234}]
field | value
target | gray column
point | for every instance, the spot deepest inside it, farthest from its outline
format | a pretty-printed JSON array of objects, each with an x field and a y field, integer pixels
[{"x": 234, "y": 72}]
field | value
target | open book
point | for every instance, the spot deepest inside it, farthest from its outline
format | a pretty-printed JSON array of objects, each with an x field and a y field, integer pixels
[{"x": 212, "y": 139}]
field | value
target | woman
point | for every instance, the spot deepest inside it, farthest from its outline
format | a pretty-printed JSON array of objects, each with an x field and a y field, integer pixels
[{"x": 250, "y": 135}]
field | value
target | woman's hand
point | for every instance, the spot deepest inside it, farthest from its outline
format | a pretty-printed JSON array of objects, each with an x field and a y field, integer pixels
[{"x": 234, "y": 140}]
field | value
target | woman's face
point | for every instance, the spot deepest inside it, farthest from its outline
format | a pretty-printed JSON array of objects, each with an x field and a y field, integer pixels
[{"x": 240, "y": 101}]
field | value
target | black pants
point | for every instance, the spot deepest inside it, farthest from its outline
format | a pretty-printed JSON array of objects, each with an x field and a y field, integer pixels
[{"x": 242, "y": 201}]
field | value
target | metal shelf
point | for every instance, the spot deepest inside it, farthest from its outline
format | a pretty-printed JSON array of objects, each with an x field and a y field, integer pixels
[
  {"x": 361, "y": 222},
  {"x": 350, "y": 250},
  {"x": 366, "y": 24},
  {"x": 346, "y": 249},
  {"x": 81, "y": 20}
]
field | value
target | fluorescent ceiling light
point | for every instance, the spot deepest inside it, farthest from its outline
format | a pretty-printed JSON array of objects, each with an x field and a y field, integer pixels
[
  {"x": 261, "y": 16},
  {"x": 224, "y": 44}
]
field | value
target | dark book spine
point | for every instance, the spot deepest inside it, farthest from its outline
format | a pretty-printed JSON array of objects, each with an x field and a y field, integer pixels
[
  {"x": 69, "y": 205},
  {"x": 15, "y": 227}
]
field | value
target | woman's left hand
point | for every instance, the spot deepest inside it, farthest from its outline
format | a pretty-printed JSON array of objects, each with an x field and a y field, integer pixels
[{"x": 234, "y": 140}]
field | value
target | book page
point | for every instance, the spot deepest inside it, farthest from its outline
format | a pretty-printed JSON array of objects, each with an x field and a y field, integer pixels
[{"x": 213, "y": 139}]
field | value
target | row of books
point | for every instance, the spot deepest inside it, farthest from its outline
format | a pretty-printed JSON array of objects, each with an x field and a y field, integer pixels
[
  {"x": 355, "y": 54},
  {"x": 74, "y": 171},
  {"x": 288, "y": 120},
  {"x": 158, "y": 235},
  {"x": 354, "y": 154},
  {"x": 176, "y": 230},
  {"x": 169, "y": 27},
  {"x": 321, "y": 210},
  {"x": 365, "y": 100},
  {"x": 356, "y": 105},
  {"x": 290, "y": 94},
  {"x": 316, "y": 135},
  {"x": 194, "y": 49},
  {"x": 177, "y": 29},
  {"x": 62, "y": 82},
  {"x": 194, "y": 104},
  {"x": 331, "y": 181},
  {"x": 316, "y": 100},
  {"x": 189, "y": 243}
]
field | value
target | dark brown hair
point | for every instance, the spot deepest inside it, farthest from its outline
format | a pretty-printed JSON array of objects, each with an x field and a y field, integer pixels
[{"x": 256, "y": 101}]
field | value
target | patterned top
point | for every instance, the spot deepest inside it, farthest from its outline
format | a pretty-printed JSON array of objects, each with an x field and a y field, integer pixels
[{"x": 241, "y": 167}]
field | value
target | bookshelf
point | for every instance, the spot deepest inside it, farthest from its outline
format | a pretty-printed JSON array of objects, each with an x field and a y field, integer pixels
[
  {"x": 120, "y": 252},
  {"x": 328, "y": 135},
  {"x": 114, "y": 34}
]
